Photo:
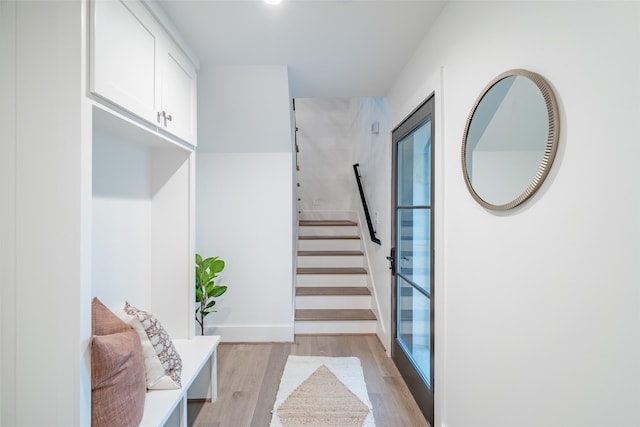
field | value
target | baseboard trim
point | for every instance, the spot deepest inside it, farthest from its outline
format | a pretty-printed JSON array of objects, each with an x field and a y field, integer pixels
[
  {"x": 361, "y": 334},
  {"x": 252, "y": 333}
]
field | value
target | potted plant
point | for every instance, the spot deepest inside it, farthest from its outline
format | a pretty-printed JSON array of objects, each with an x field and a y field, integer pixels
[{"x": 206, "y": 289}]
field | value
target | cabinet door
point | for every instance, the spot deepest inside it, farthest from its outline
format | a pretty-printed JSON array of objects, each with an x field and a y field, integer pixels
[
  {"x": 179, "y": 94},
  {"x": 124, "y": 50}
]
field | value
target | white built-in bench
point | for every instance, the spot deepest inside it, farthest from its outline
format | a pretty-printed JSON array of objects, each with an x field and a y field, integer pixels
[{"x": 169, "y": 407}]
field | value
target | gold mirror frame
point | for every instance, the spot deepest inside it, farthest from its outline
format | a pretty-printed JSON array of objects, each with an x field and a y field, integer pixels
[{"x": 550, "y": 149}]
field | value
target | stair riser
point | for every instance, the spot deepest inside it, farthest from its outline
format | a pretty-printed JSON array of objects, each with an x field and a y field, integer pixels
[
  {"x": 336, "y": 327},
  {"x": 333, "y": 302},
  {"x": 331, "y": 280},
  {"x": 331, "y": 261},
  {"x": 328, "y": 215},
  {"x": 328, "y": 231},
  {"x": 329, "y": 245}
]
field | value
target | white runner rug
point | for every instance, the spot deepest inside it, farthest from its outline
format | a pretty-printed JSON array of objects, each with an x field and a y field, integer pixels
[{"x": 322, "y": 392}]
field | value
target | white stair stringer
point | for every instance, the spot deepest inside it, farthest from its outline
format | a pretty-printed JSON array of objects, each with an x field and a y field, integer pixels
[{"x": 382, "y": 332}]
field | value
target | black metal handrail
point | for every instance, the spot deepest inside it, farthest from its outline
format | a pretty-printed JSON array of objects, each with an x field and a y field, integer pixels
[{"x": 372, "y": 232}]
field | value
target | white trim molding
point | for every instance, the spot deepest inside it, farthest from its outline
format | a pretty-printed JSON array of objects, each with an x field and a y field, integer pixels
[{"x": 252, "y": 333}]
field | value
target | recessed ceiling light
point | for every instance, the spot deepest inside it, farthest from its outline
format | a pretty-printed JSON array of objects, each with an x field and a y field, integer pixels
[{"x": 273, "y": 1}]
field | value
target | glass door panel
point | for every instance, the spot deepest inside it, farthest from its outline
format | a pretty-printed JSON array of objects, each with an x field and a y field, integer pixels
[
  {"x": 414, "y": 325},
  {"x": 412, "y": 254},
  {"x": 414, "y": 246},
  {"x": 414, "y": 164}
]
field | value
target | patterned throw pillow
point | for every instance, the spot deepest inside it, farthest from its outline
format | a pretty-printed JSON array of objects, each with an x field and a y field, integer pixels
[{"x": 162, "y": 362}]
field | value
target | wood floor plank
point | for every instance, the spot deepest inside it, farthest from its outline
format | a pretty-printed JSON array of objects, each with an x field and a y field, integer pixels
[
  {"x": 249, "y": 377},
  {"x": 402, "y": 398},
  {"x": 277, "y": 359},
  {"x": 245, "y": 370}
]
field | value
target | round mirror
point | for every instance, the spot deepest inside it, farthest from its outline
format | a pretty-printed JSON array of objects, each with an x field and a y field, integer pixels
[{"x": 510, "y": 139}]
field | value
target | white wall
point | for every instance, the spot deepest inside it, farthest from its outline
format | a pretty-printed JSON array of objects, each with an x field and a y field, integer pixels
[
  {"x": 538, "y": 309},
  {"x": 244, "y": 217},
  {"x": 373, "y": 153},
  {"x": 325, "y": 155},
  {"x": 244, "y": 198},
  {"x": 121, "y": 225},
  {"x": 7, "y": 212},
  {"x": 244, "y": 109},
  {"x": 48, "y": 283}
]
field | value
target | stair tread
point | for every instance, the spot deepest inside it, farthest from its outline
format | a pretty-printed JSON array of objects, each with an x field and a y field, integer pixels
[
  {"x": 328, "y": 237},
  {"x": 329, "y": 253},
  {"x": 334, "y": 315},
  {"x": 327, "y": 223},
  {"x": 332, "y": 290},
  {"x": 331, "y": 270}
]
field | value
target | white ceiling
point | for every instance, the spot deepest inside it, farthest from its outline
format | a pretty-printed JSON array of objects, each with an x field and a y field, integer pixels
[{"x": 333, "y": 48}]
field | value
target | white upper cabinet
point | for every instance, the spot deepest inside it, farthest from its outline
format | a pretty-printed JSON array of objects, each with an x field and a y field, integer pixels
[
  {"x": 136, "y": 66},
  {"x": 178, "y": 96},
  {"x": 125, "y": 41}
]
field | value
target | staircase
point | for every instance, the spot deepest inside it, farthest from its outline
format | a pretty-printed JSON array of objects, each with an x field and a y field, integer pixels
[{"x": 331, "y": 284}]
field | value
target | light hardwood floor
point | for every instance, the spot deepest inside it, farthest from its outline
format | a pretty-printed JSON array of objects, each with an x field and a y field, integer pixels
[{"x": 249, "y": 376}]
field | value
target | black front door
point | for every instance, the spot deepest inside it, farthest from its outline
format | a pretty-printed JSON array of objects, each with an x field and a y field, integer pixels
[{"x": 413, "y": 253}]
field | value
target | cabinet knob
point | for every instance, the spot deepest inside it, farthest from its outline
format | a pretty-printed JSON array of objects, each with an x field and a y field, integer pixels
[{"x": 167, "y": 117}]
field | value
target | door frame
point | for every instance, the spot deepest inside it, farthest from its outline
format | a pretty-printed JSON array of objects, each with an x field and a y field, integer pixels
[{"x": 423, "y": 395}]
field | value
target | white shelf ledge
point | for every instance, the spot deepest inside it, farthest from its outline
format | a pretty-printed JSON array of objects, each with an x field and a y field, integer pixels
[{"x": 161, "y": 405}]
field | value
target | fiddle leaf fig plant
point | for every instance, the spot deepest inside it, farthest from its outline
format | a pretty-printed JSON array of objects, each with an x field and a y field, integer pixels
[{"x": 206, "y": 289}]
